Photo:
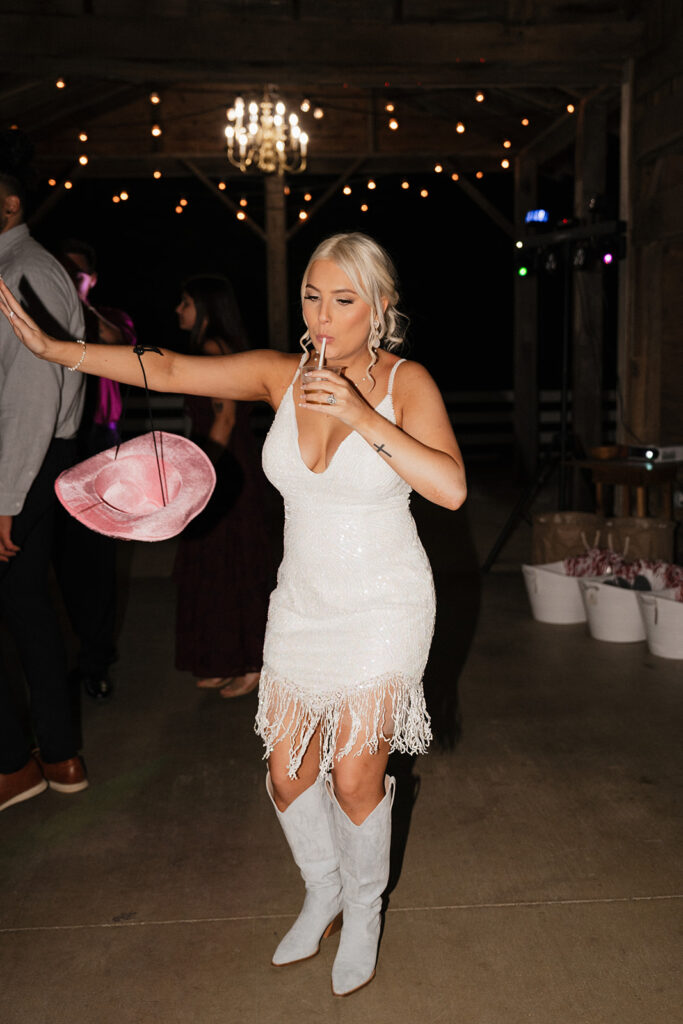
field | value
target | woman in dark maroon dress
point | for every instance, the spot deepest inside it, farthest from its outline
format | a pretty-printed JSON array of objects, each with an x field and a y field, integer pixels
[{"x": 223, "y": 565}]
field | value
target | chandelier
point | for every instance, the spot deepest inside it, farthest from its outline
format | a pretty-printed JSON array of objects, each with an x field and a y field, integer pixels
[{"x": 263, "y": 135}]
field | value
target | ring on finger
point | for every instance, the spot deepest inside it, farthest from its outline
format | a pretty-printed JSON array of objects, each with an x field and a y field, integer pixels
[{"x": 331, "y": 400}]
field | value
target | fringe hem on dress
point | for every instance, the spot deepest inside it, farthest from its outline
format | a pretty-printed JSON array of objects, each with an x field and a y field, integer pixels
[{"x": 288, "y": 711}]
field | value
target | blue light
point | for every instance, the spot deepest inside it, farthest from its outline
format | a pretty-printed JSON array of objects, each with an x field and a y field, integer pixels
[{"x": 536, "y": 217}]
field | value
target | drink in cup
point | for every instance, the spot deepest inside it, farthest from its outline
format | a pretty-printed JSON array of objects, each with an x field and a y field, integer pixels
[{"x": 308, "y": 374}]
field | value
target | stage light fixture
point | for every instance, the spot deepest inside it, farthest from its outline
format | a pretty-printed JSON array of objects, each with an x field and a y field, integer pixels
[{"x": 536, "y": 217}]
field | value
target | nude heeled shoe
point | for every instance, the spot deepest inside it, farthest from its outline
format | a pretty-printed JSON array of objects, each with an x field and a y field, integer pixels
[
  {"x": 364, "y": 867},
  {"x": 307, "y": 825}
]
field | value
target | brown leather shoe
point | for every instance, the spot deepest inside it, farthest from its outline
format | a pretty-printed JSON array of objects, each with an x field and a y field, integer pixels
[
  {"x": 65, "y": 776},
  {"x": 21, "y": 785}
]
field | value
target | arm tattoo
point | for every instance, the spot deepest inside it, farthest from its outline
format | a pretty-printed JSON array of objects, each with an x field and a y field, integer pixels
[{"x": 381, "y": 450}]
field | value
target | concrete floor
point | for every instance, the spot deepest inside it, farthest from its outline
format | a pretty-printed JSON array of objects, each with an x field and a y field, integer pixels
[{"x": 537, "y": 874}]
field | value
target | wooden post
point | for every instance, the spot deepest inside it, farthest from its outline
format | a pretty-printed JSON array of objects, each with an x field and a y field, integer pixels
[
  {"x": 626, "y": 276},
  {"x": 587, "y": 325},
  {"x": 526, "y": 333},
  {"x": 276, "y": 262}
]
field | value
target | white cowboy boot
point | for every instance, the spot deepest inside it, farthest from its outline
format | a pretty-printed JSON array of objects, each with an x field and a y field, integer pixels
[
  {"x": 307, "y": 825},
  {"x": 364, "y": 865}
]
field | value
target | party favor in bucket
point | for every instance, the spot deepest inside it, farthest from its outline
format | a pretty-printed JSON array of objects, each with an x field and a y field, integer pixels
[
  {"x": 612, "y": 612},
  {"x": 662, "y": 617},
  {"x": 554, "y": 597}
]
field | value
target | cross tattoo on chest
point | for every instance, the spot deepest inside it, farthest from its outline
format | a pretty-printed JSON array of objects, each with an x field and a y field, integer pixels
[{"x": 381, "y": 450}]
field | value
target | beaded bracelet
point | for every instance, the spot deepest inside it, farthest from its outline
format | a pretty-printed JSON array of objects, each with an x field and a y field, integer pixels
[{"x": 79, "y": 341}]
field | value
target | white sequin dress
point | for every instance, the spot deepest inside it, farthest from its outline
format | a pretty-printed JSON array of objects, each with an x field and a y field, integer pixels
[{"x": 351, "y": 619}]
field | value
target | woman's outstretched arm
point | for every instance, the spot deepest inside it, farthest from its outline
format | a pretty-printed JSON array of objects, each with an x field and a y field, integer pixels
[{"x": 245, "y": 376}]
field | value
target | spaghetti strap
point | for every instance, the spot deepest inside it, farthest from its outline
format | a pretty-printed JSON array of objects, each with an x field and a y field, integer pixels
[{"x": 393, "y": 374}]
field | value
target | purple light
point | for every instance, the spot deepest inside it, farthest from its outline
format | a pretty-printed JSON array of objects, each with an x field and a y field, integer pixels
[{"x": 607, "y": 258}]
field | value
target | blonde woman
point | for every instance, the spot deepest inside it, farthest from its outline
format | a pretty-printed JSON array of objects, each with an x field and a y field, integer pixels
[{"x": 351, "y": 619}]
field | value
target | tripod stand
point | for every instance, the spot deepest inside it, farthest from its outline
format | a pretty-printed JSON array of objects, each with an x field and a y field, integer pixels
[{"x": 557, "y": 459}]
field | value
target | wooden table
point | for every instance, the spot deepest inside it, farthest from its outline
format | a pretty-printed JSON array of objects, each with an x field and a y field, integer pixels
[{"x": 628, "y": 474}]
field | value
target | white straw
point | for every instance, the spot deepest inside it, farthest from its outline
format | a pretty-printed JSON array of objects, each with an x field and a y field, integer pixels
[{"x": 321, "y": 357}]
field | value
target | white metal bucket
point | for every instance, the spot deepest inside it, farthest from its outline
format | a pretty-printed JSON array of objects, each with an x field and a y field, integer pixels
[
  {"x": 554, "y": 597},
  {"x": 663, "y": 620},
  {"x": 612, "y": 612}
]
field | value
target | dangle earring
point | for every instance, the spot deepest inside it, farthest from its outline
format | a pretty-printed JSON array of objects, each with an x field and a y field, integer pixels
[{"x": 305, "y": 342}]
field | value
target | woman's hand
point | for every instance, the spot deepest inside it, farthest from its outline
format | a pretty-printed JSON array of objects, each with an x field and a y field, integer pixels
[
  {"x": 328, "y": 392},
  {"x": 26, "y": 329}
]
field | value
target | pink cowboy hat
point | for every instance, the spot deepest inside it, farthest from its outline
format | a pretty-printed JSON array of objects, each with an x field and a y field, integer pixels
[{"x": 119, "y": 492}]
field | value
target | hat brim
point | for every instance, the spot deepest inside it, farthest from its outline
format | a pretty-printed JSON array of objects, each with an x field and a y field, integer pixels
[{"x": 188, "y": 477}]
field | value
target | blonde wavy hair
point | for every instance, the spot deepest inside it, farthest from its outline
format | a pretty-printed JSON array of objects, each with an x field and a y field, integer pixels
[{"x": 373, "y": 276}]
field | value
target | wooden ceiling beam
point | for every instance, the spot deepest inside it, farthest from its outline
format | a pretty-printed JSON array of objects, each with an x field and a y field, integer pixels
[
  {"x": 89, "y": 103},
  {"x": 286, "y": 50}
]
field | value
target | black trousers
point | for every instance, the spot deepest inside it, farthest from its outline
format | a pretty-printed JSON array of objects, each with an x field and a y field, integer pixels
[
  {"x": 28, "y": 611},
  {"x": 85, "y": 564}
]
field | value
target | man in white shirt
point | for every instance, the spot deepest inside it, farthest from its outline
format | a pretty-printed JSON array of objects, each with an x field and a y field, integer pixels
[{"x": 40, "y": 409}]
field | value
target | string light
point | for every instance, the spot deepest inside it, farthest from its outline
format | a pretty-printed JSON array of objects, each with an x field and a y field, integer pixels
[
  {"x": 389, "y": 107},
  {"x": 460, "y": 127},
  {"x": 307, "y": 197},
  {"x": 519, "y": 245},
  {"x": 243, "y": 201},
  {"x": 241, "y": 215},
  {"x": 52, "y": 182},
  {"x": 156, "y": 130},
  {"x": 525, "y": 122},
  {"x": 305, "y": 106},
  {"x": 124, "y": 196},
  {"x": 479, "y": 97},
  {"x": 438, "y": 168},
  {"x": 393, "y": 124},
  {"x": 364, "y": 208},
  {"x": 82, "y": 136},
  {"x": 68, "y": 184},
  {"x": 347, "y": 190},
  {"x": 507, "y": 144},
  {"x": 156, "y": 174},
  {"x": 505, "y": 164},
  {"x": 303, "y": 215},
  {"x": 424, "y": 193},
  {"x": 405, "y": 184},
  {"x": 222, "y": 186},
  {"x": 154, "y": 97},
  {"x": 182, "y": 202},
  {"x": 372, "y": 184},
  {"x": 479, "y": 174},
  {"x": 179, "y": 209},
  {"x": 60, "y": 83},
  {"x": 455, "y": 177},
  {"x": 83, "y": 160},
  {"x": 287, "y": 190},
  {"x": 570, "y": 108},
  {"x": 116, "y": 199},
  {"x": 318, "y": 113}
]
